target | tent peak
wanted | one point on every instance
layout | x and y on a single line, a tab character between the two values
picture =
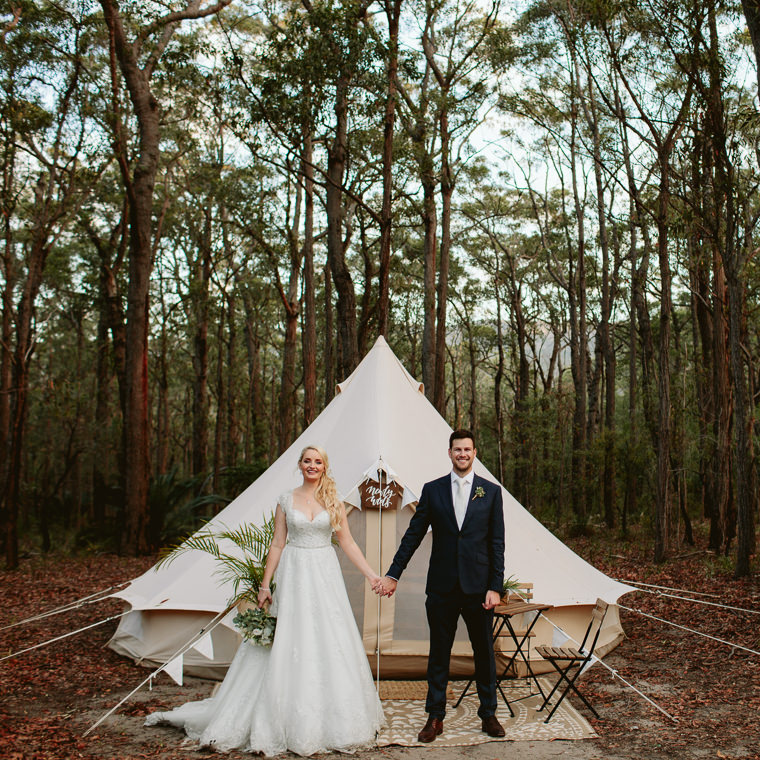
378	350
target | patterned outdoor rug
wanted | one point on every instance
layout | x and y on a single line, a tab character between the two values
461	727
408	690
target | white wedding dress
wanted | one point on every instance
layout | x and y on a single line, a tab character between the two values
312	690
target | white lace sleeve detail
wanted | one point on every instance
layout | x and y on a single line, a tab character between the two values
285	500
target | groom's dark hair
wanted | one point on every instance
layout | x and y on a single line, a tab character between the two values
458	435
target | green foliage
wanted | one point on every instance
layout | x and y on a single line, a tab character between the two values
241	566
176	504
524	99
511	585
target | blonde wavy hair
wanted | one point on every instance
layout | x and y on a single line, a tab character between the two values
326	491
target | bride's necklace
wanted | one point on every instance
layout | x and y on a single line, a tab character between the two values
309	498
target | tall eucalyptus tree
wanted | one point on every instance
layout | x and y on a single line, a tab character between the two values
139	38
42	113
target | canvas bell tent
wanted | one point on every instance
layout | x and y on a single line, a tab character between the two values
381	428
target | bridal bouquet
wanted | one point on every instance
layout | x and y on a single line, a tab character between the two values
243	567
256	625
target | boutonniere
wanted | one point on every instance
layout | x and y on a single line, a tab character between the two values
478	493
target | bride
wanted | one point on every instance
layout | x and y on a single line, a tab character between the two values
311	691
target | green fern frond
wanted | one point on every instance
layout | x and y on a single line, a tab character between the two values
244	570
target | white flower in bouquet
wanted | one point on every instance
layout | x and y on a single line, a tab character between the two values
256	626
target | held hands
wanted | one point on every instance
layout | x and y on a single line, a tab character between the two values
385	586
264	597
492	599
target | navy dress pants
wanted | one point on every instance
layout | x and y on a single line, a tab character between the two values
443	611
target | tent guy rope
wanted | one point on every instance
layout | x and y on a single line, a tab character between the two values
690	630
68	607
701	601
613	671
666	588
65	635
184	648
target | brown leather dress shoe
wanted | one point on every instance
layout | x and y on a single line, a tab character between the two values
433	728
492	727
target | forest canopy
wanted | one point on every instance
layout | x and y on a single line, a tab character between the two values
210	210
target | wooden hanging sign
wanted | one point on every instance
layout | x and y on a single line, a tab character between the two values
373	496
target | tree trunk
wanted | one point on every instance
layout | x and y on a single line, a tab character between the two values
8	199
743	462
678	457
6	362
630	503
733	262
664	519
38	253
578	341
605	342
442	289
329	338
366	311
309	333
722	522
392	13
292	306
112	317
200	287
232	438
140	186
497	380
162	410
522	391
336	255
286	403
258	426
430	226
101	474
705	320
221	403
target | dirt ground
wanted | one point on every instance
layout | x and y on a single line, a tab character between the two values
50	696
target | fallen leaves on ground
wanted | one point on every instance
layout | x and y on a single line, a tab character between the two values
710	688
51	695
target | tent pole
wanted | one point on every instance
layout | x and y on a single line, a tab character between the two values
380	570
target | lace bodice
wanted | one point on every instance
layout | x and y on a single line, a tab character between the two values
302	532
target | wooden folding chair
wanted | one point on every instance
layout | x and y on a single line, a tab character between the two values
564	659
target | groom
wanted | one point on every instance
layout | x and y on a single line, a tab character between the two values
465	576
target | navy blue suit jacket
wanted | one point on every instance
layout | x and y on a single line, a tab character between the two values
472	557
